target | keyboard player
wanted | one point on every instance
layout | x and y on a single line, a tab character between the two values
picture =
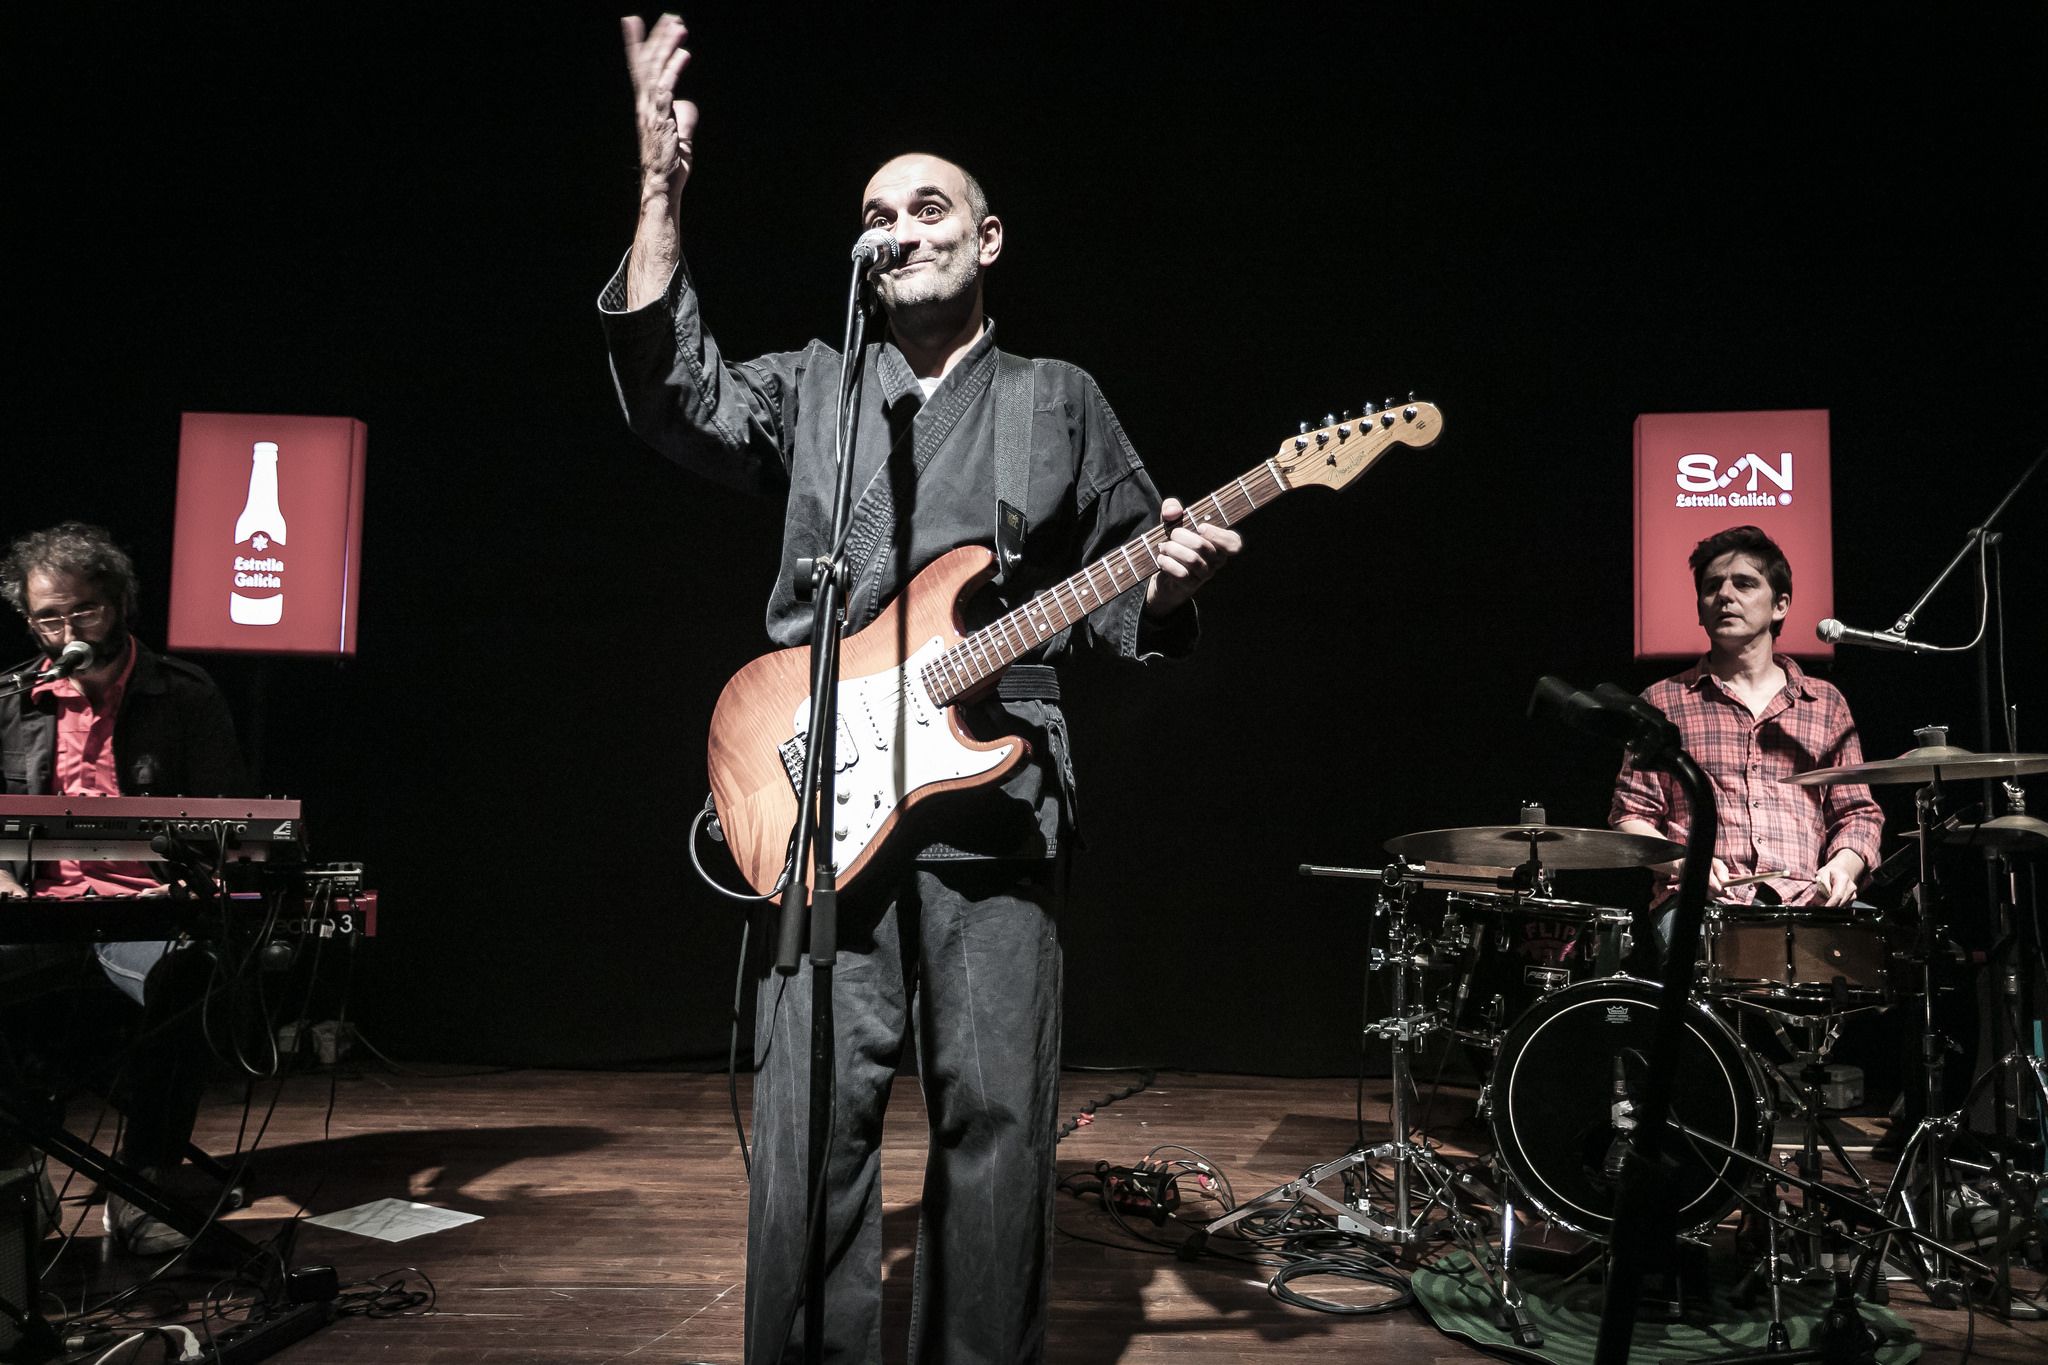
122	720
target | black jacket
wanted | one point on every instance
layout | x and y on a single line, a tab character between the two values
768	426
173	736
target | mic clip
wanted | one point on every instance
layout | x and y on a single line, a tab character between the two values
811	574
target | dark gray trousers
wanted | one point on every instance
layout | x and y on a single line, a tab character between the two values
967	955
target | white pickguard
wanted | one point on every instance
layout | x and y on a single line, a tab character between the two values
892	741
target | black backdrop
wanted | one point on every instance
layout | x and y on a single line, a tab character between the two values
1546	219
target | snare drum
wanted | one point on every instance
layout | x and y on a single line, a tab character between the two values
1514	951
1796	954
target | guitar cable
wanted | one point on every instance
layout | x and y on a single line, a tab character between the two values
709	816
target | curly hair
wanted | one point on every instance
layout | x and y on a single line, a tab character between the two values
74	547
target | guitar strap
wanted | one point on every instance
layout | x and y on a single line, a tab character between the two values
1014	385
1013	394
1016	395
1015	399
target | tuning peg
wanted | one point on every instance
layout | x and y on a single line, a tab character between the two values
1304	428
1329	419
1369	409
1347	414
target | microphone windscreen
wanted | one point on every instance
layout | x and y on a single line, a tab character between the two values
878	245
1829	630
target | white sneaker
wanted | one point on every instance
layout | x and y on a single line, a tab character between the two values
136	1232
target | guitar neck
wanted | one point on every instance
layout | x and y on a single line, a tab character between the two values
988	651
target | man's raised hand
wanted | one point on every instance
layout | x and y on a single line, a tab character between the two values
656	60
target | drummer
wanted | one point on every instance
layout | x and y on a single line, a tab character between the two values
1750	717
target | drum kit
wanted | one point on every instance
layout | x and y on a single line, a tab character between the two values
1541	993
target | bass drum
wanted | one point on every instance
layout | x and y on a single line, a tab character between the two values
1554	1093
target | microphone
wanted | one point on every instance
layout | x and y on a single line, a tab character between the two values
1607	712
1835	633
1621	1114
75	656
878	250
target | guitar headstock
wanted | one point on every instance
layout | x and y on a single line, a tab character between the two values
1338	452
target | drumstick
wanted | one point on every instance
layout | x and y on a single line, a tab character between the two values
1753	878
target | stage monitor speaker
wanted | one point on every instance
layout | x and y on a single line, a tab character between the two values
20	1242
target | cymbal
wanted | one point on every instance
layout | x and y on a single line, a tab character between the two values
2006	834
1559	846
1931	763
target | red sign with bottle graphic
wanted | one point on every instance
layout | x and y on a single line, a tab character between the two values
1698	473
267	547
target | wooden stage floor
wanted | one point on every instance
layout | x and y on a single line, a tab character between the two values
613	1221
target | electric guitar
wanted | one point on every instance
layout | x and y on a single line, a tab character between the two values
902	677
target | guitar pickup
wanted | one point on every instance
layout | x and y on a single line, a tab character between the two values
844	756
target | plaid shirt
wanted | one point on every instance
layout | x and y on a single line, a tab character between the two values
1764	823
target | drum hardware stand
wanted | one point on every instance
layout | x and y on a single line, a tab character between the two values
1821	1032
1414	1164
1777	1339
1844	1339
1927	1150
2015	1187
1771	1269
2018	1081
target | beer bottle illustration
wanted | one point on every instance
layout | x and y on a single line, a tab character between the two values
258	595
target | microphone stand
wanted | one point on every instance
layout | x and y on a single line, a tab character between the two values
1977	533
1937	1124
825	582
1645	1224
22	677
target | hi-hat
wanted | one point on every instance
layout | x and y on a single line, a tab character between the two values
1559	846
1930	763
2011	834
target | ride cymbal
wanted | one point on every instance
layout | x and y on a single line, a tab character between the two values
1931	763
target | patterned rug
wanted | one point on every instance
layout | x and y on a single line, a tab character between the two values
1568	1316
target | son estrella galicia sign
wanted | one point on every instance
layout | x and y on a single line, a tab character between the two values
1701	472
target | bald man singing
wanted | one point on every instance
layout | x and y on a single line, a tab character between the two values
953	946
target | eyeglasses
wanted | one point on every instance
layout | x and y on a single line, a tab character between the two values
50	624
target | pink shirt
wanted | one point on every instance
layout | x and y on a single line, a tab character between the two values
85	767
1764	823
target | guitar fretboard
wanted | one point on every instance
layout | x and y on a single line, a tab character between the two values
988	651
